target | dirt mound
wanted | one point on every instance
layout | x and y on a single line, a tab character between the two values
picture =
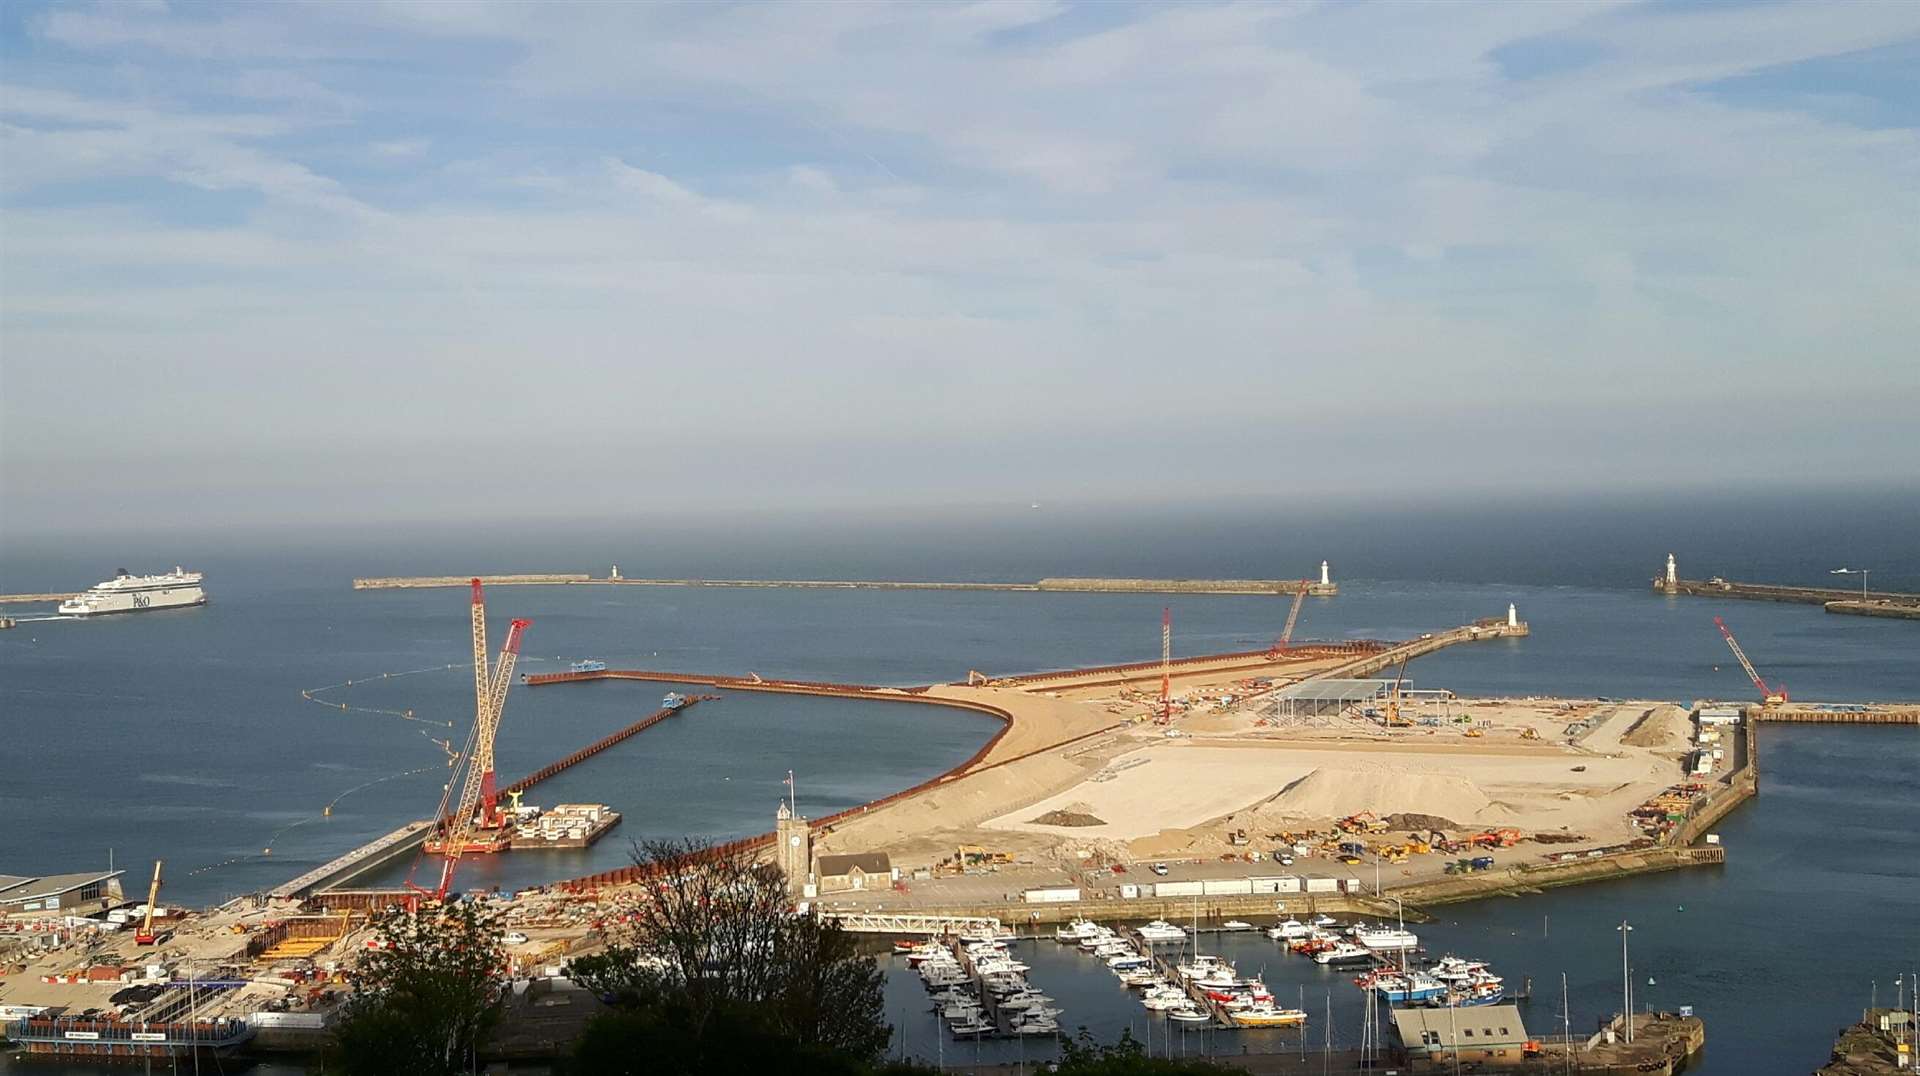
1335	793
1657	728
1412	821
1066	818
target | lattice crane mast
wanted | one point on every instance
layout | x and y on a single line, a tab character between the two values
1770	696
479	800
1166	665
1293	617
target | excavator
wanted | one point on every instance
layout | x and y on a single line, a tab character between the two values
145	935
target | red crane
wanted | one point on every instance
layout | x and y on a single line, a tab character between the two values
1770	696
478	806
1293	617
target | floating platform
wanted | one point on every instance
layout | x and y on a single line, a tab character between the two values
567	825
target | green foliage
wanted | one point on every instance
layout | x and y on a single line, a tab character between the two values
719	976
423	1000
1082	1056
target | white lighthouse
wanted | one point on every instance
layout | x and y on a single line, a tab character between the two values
1513	616
1326	576
1673	573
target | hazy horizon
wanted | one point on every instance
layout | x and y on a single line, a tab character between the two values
274	266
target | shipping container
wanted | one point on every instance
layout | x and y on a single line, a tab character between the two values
1265	885
1176	889
1352	885
1129	891
1054	895
1226	887
1290	885
1323	885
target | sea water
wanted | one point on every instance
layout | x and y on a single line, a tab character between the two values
184	735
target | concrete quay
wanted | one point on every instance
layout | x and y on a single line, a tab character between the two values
1773	592
33	599
1856	607
368	857
1280	587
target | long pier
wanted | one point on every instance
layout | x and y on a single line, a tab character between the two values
1894	715
384	850
33	599
1052	585
1835	599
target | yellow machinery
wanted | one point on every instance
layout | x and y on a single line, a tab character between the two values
144	936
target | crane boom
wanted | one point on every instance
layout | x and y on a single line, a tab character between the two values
496	705
1771	696
1293	617
144	936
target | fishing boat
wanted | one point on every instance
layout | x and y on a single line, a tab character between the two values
1189	1014
1235	926
1409	988
1289	930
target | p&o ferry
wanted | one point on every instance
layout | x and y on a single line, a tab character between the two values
126	593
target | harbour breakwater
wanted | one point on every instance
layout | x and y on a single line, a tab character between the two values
1065	585
1884	603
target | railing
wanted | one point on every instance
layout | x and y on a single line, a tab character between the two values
882	923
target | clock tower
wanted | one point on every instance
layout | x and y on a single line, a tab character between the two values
794	849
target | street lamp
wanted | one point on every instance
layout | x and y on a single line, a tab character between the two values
1861	572
1626	983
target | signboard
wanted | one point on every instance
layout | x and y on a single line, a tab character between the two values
148	1036
83	1034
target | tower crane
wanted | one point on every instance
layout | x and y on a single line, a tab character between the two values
479	804
1293	617
145	935
1769	696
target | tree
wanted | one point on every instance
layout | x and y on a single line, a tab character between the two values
1083	1057
425	994
713	958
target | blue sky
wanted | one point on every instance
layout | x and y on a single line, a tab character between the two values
306	259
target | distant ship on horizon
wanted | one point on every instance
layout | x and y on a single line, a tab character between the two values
128	593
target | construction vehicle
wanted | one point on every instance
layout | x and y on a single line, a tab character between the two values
1394	720
1280	645
1504	837
475	823
1474	733
1529	733
145	935
1769	696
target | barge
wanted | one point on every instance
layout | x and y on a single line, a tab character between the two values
93	1039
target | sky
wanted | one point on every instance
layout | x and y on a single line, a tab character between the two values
375	261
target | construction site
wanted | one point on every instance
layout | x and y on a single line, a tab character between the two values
1302	771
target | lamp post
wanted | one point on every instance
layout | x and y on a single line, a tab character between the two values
1861	572
1626	982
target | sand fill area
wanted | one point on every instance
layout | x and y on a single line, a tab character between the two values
1167	787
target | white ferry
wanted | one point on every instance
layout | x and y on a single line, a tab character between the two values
126	593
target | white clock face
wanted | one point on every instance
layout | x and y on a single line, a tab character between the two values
794	840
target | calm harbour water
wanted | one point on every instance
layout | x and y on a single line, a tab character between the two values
183	735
